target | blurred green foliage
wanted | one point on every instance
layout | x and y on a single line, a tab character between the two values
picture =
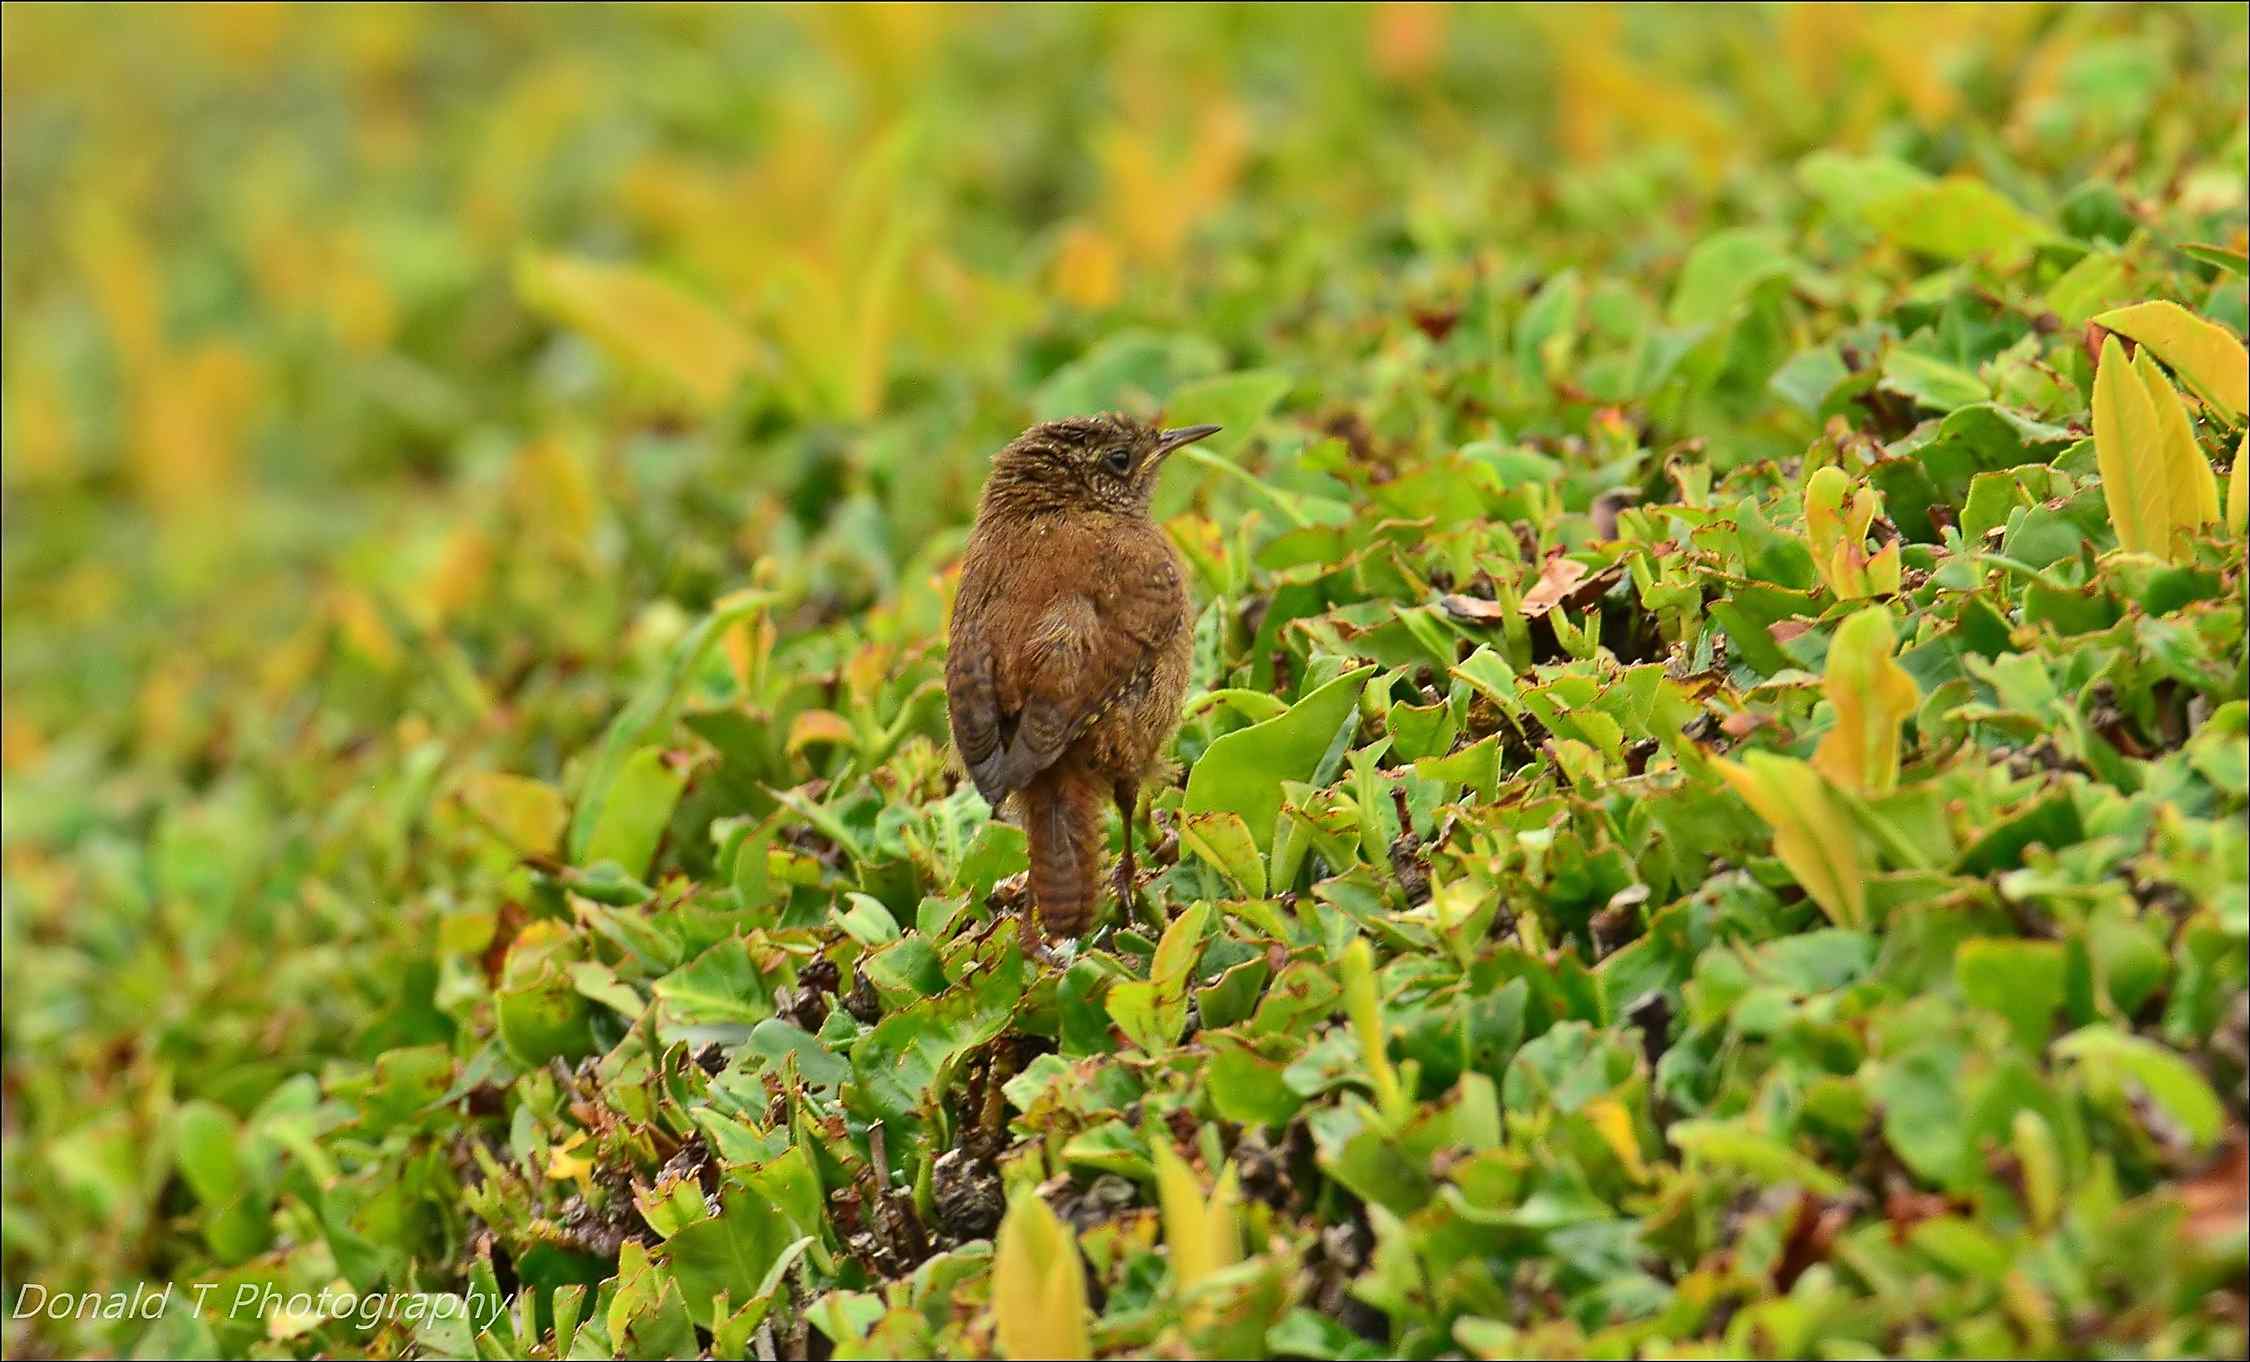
481	489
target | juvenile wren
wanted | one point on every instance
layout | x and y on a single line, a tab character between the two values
1069	649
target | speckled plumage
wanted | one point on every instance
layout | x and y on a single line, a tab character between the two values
1068	655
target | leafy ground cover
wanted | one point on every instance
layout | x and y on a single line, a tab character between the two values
1712	806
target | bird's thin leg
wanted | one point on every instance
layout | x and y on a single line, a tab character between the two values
1034	942
1128	795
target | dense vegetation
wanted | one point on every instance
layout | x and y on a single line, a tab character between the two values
1712	807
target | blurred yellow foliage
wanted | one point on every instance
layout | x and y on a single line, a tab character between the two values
1607	102
328	274
651	324
554	500
22	746
520	134
458	577
1407	37
1153	199
40	435
118	268
359	623
189	419
243	33
1086	266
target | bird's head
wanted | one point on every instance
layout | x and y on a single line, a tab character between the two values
1108	462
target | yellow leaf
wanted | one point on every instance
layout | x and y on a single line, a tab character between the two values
2238	490
565	1164
527	814
1812	834
2187	474
642	320
1038	1285
1883	571
1838	531
1200	1237
1615	1125
1872	696
2129	449
2204	353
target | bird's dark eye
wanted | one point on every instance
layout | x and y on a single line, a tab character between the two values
1118	460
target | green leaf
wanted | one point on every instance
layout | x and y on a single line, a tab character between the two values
526	814
1932	382
1236	403
1723	269
2171	1082
1224	841
1958	218
2020	980
741	1253
1151	1012
1242	771
637	806
1872	696
719	986
205	1136
643	721
1733	1145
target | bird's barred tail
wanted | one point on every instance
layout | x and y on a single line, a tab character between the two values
1062	822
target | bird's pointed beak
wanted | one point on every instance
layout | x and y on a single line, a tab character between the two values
1183	437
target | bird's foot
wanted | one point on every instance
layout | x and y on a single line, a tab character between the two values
1042	950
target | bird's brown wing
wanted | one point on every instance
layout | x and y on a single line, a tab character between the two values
973	709
1087	649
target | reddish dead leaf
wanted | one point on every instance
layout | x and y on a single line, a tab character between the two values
504	929
1742	723
1905	1208
1812	1231
1436	322
2217	1200
2096	333
1781	631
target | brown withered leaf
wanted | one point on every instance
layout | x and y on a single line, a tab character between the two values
510	921
1436	322
1566	582
1905	1206
2218	1199
1742	723
1473	609
1812	1231
1781	631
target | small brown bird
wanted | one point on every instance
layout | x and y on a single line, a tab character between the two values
1069	650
